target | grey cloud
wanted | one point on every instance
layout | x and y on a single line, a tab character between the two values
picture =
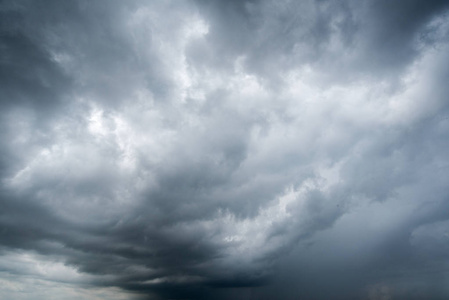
351	37
226	150
397	26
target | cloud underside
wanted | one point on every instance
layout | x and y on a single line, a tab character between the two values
224	149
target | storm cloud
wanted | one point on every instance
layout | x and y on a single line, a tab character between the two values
224	149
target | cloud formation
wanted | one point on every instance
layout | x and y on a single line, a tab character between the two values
224	149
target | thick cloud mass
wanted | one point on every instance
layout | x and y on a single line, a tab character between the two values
224	149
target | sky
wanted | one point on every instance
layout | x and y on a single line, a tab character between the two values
224	150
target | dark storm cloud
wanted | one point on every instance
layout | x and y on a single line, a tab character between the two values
28	74
396	25
224	149
356	37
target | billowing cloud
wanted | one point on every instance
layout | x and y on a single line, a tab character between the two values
224	149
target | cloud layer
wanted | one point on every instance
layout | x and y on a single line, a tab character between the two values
224	149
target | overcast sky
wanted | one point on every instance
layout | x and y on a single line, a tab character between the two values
224	150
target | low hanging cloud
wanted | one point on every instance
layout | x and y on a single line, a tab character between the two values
224	150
